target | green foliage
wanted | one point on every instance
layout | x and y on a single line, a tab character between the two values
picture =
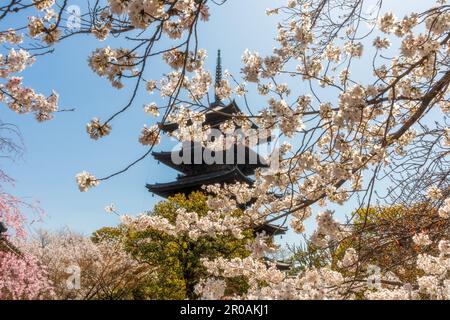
177	260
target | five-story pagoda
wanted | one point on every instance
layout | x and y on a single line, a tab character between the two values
196	171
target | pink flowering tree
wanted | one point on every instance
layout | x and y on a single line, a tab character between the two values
22	277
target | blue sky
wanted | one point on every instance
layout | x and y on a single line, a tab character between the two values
57	150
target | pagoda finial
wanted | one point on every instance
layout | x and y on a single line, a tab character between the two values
218	74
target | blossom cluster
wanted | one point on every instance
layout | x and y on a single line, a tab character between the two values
189	224
43	4
45	28
267	282
97	130
328	229
85	180
13	93
149	136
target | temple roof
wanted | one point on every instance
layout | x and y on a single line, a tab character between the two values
199	174
271	229
248	162
3	228
217	113
187	184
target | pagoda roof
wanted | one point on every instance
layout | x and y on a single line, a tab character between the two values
188	183
281	265
217	113
247	166
7	246
271	229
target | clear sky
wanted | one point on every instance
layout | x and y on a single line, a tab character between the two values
57	150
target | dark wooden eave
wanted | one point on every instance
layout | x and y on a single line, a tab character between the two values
280	265
271	229
187	184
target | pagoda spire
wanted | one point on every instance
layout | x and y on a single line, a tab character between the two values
218	75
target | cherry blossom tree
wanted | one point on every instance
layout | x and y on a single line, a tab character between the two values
380	140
